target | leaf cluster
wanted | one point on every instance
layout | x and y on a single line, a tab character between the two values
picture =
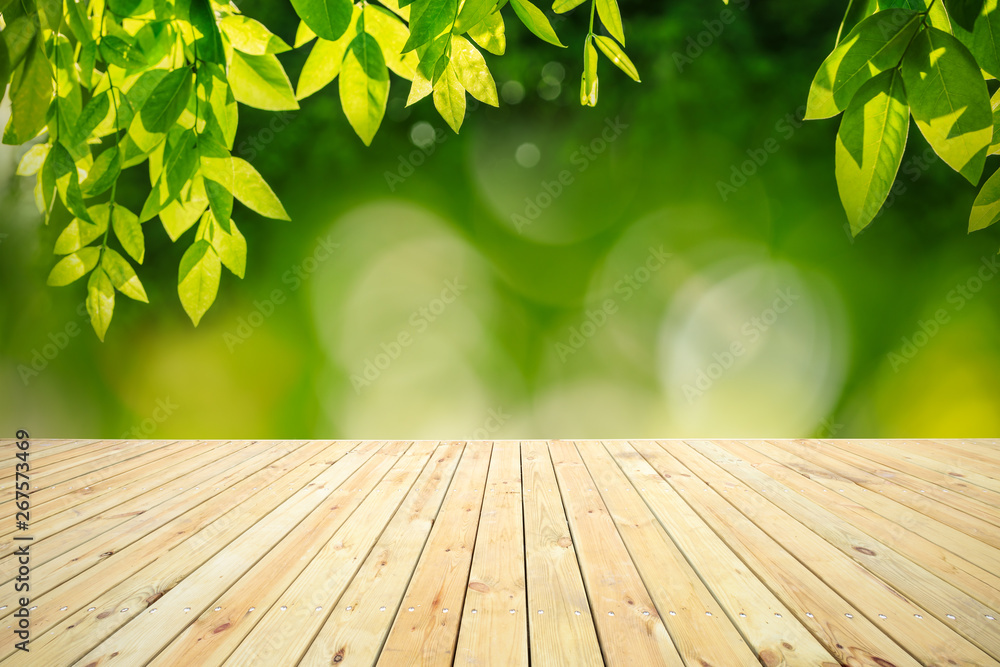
100	86
929	60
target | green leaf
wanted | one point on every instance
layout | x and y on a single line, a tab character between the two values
208	39
220	201
391	35
419	89
449	99
79	22
489	34
198	279
964	12
859	10
73	267
949	101
995	104
616	55
116	51
87	60
429	19
588	81
986	208
535	20
5	65
364	86
61	170
250	36
92	116
122	275
180	163
33	160
984	40
78	233
182	213
327	18
324	62
100	302
129	232
30	95
303	35
261	82
104	173
875	45
471	13
870	146
224	114
472	72
229	244
167	101
563	6
254	193
611	17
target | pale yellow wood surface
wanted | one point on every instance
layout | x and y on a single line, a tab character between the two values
423	633
497	634
700	553
564	633
628	625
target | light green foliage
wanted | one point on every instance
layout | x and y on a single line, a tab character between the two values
925	59
103	86
870	146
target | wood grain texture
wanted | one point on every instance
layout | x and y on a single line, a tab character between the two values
700	553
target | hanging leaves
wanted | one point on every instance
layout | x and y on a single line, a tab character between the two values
103	86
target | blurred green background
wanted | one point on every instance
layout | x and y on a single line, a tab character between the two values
552	271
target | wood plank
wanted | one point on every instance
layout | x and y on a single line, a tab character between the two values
951	452
698	625
564	634
40	450
908	622
241	526
938	489
146	535
80	477
630	630
915	536
83	489
497	634
971	484
770	627
285	631
821	466
968	449
843	630
131	500
215	635
357	627
421	633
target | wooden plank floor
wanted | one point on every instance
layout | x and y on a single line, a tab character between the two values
694	553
